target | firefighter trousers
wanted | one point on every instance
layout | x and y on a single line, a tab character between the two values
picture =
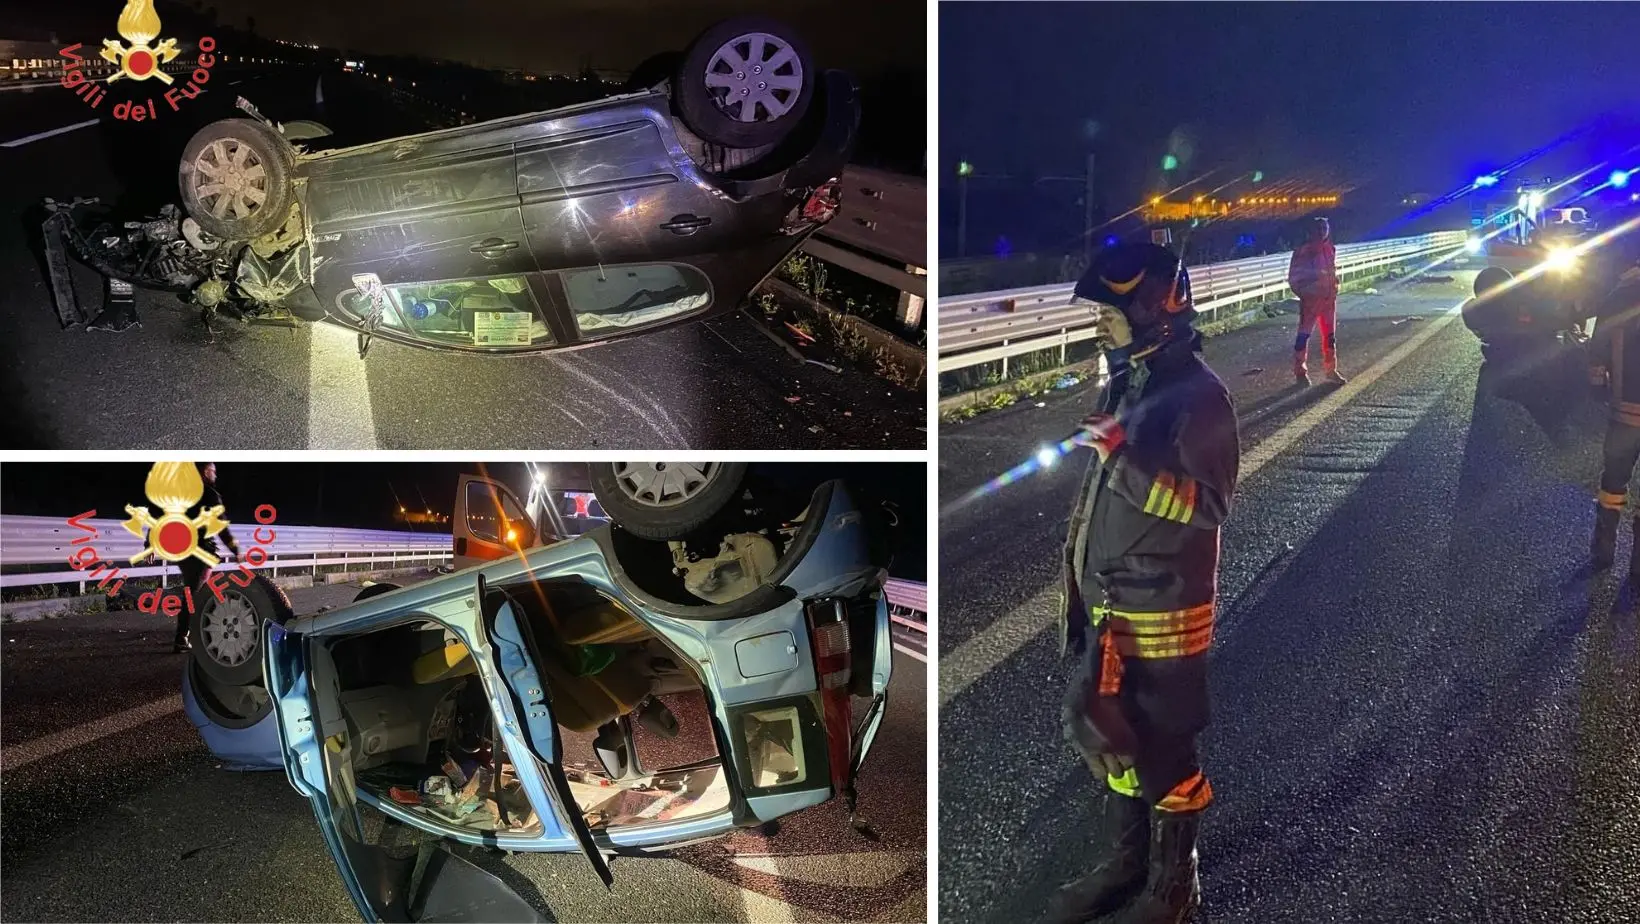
1313	312
1166	771
1622	451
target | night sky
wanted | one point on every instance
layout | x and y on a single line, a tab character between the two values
362	494
563	35
1401	97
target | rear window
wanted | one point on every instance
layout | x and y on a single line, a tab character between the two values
610	299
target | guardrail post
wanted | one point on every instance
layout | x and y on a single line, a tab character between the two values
316	567
1005	364
910	308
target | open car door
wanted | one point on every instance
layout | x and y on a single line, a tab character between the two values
321	736
415	882
489	522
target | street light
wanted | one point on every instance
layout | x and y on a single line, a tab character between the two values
1258	176
1170	162
964	168
1620	178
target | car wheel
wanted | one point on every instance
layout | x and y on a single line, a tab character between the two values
227	633
665	500
236	179
744	82
230	706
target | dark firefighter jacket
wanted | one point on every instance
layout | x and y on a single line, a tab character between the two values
1616	345
1313	271
1142	555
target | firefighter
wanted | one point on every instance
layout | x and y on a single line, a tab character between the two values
193	570
1313	276
1141	565
1615	360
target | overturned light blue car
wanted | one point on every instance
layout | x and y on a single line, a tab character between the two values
444	706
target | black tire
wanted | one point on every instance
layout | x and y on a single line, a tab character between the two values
263	147
221	648
229	706
374	590
706	112
676	519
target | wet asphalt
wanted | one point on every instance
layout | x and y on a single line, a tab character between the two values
718	384
1426	708
143	824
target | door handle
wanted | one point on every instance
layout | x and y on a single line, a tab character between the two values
686	224
492	246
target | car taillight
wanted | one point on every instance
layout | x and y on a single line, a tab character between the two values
829	637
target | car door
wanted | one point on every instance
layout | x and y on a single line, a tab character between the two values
315	732
434	221
434	884
489	522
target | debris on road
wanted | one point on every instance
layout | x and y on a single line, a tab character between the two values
1254	371
1404	320
1370	291
794	399
827	366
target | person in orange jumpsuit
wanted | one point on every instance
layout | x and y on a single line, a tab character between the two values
1313	276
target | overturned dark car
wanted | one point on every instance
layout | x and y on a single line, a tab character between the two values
533	232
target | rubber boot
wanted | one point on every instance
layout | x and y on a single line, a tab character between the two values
1301	367
1604	547
1118	873
1173	890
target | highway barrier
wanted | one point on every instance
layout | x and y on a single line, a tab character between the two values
995	326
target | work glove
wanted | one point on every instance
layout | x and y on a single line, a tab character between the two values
1113	328
1096	728
1102	432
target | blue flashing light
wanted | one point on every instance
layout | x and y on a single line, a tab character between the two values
420	310
1486	180
1111	241
1620	178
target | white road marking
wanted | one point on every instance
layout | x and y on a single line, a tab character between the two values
21	755
38	136
339	413
870	870
920	656
989	647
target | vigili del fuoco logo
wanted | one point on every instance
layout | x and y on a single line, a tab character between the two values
138	61
173	536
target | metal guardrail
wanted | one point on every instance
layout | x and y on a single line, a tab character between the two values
50	540
884	215
992	326
907	603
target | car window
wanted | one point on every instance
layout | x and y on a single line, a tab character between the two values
491	517
492	313
609	299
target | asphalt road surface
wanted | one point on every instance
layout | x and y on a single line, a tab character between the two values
715	385
114	810
1424	702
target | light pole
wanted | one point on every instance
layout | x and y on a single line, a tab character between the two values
964	171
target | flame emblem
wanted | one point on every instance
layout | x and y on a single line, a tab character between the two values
139	25
174	487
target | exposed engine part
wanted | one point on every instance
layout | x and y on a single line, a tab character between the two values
210	293
202	240
282	238
743	563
